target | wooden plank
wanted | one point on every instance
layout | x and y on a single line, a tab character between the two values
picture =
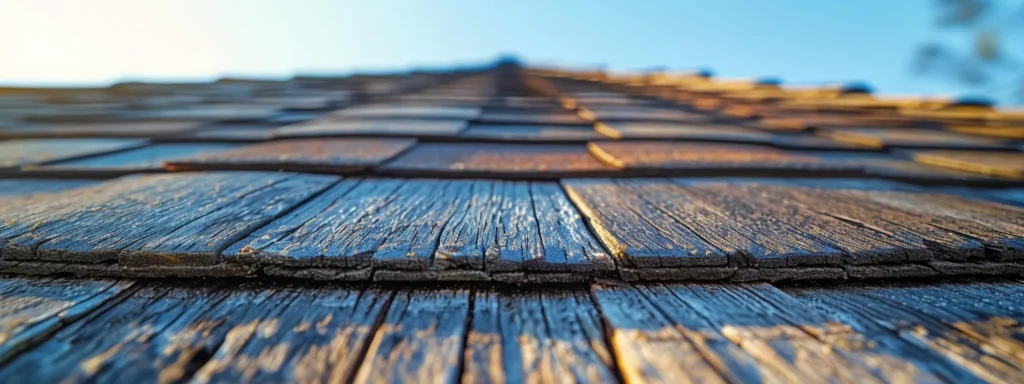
15	153
304	155
180	219
27	187
998	227
859	245
139	129
890	167
497	160
652	348
32	309
908	227
421	338
550	336
793	339
307	335
812	142
712	159
721	133
637	233
390	127
940	337
911	138
532	133
407	111
421	224
226	112
146	159
987	163
231	132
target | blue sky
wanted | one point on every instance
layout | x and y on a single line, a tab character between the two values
799	41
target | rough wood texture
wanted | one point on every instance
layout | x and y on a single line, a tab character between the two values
16	153
420	339
717	159
497	160
911	138
532	133
986	163
409	111
638	233
306	155
391	127
536	337
421	224
181	219
890	167
633	130
141	129
148	158
31	309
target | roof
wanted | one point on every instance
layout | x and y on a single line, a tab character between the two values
570	224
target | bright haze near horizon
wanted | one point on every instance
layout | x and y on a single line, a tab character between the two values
97	42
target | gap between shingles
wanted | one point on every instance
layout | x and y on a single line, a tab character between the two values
461	369
364	349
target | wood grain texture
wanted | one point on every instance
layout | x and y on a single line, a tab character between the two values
139	129
496	160
532	133
407	111
26	187
31	309
431	224
421	338
637	233
305	155
911	138
16	153
712	159
552	336
893	168
172	219
390	127
986	163
720	133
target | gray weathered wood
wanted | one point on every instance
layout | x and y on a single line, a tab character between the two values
306	155
713	159
655	130
421	338
497	160
912	138
407	111
26	187
16	153
145	159
532	133
390	127
141	129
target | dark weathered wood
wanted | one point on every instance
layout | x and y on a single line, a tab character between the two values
890	167
651	348
16	153
497	160
222	132
551	336
907	227
792	339
715	159
819	143
421	224
911	138
999	227
1001	164
937	332
181	219
421	338
637	233
722	133
213	112
31	309
148	158
390	127
858	245
305	155
1010	196
310	335
142	129
532	133
407	111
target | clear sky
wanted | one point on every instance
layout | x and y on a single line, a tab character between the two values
800	41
